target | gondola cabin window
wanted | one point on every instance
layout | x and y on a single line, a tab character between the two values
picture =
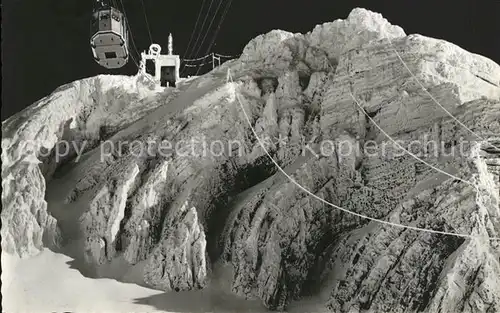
104	16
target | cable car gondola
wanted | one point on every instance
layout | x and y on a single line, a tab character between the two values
109	36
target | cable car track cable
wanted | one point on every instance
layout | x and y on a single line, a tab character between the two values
198	65
427	230
190	54
217	30
131	37
147	22
209	27
194	29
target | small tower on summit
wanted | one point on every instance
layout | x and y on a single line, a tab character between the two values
163	67
170	44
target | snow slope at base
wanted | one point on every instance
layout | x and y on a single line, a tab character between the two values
47	283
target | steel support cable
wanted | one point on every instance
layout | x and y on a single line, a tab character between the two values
193	60
197	65
432	97
198	59
228	56
280	169
205	57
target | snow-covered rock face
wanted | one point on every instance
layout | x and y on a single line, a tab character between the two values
72	120
173	215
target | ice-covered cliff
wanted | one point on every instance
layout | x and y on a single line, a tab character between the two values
172	216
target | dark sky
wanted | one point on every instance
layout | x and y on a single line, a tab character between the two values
46	42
